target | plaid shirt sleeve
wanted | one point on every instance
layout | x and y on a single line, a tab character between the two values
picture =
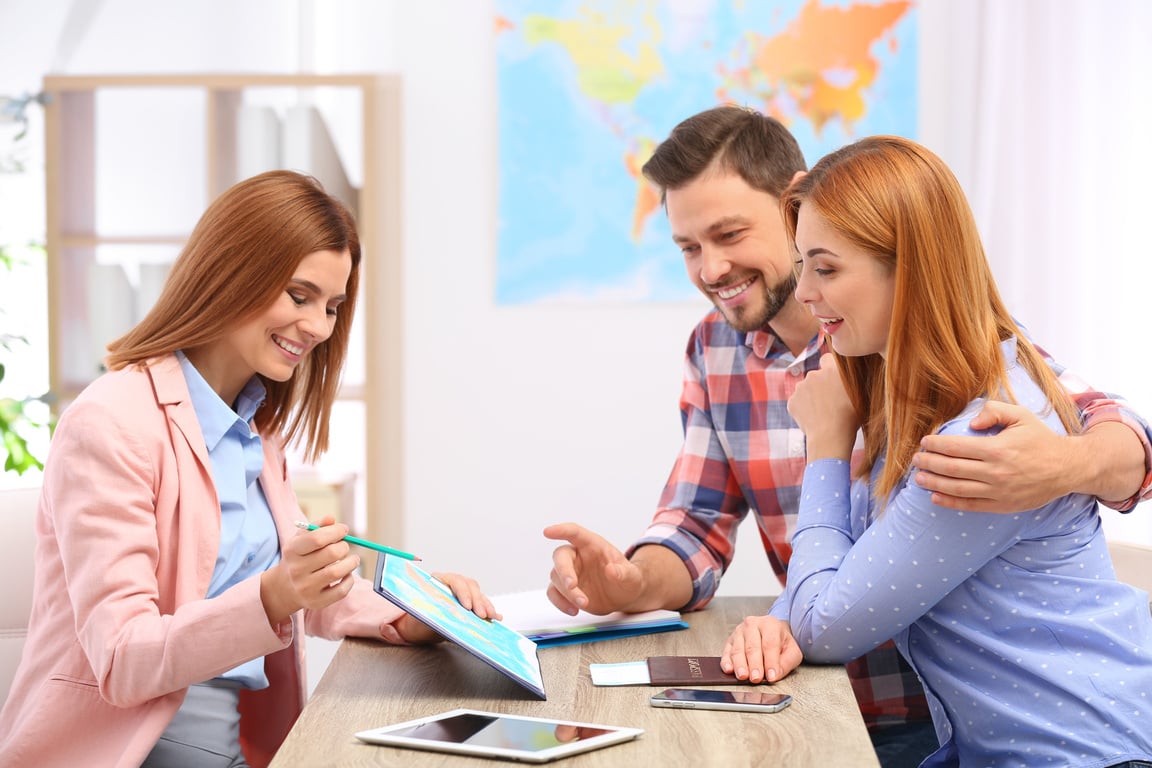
1099	407
702	504
742	453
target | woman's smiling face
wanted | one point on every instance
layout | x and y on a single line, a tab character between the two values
274	342
847	288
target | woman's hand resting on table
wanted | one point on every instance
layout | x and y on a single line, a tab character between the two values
761	649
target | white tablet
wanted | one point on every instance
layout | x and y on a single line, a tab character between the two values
490	734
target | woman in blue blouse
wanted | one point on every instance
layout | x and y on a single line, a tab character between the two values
1030	650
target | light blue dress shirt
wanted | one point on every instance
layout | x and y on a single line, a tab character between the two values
1030	651
249	544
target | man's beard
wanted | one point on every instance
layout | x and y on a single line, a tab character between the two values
746	319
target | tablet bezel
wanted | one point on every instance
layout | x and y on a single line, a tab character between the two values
386	736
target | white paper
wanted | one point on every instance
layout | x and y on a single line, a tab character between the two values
622	673
532	612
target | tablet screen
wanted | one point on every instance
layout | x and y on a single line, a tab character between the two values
427	599
497	735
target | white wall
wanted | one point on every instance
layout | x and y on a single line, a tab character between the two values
1040	107
523	416
536	415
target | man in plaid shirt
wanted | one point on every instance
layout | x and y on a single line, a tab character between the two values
721	173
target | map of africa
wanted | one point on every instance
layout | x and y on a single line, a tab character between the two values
588	89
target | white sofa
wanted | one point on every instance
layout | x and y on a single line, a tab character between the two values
1133	563
17	512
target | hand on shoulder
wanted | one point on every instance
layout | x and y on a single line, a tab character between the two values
1023	466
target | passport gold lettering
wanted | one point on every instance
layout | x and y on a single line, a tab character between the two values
688	670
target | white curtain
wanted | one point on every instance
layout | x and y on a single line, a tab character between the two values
1044	110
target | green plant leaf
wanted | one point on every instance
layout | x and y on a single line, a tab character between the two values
17	458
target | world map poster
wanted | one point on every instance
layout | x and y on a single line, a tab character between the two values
587	89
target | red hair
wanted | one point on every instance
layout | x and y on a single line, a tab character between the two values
239	258
899	202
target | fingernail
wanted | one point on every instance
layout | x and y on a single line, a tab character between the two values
771	676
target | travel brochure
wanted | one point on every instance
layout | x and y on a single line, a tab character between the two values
533	615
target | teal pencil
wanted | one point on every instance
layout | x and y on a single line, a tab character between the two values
362	542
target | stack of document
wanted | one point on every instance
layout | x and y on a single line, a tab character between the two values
533	615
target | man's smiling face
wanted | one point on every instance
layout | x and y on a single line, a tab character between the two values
735	247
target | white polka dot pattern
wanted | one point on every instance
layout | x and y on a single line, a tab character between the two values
1031	652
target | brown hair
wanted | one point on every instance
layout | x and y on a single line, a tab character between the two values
757	147
239	258
900	202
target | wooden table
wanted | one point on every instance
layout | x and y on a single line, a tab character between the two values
369	685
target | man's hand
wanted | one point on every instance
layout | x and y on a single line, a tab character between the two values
761	649
590	574
1023	467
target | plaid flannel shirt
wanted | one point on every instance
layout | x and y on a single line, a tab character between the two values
743	453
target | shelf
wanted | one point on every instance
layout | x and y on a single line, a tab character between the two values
133	160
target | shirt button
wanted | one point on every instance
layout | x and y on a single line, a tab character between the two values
794	371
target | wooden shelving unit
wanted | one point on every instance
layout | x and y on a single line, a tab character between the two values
96	291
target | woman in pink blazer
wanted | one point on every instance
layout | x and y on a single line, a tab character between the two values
172	586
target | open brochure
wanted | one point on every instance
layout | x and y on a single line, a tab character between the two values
533	615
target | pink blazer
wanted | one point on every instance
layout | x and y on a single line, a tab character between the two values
128	529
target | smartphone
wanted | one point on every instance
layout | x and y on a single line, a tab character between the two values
738	701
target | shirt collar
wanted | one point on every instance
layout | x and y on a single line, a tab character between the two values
215	416
764	344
